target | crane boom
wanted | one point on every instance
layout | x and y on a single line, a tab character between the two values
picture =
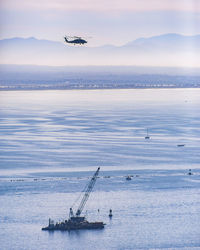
89	188
78	222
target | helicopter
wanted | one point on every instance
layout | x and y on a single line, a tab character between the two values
75	40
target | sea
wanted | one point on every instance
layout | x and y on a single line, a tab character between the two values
52	142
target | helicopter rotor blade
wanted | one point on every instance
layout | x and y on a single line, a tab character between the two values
70	37
78	37
84	37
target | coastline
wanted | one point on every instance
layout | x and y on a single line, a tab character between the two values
61	87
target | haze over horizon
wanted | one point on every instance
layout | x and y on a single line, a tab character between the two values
123	32
107	22
168	50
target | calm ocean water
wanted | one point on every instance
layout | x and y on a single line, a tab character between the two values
51	142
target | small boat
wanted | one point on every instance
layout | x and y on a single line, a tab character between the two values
180	145
128	178
147	136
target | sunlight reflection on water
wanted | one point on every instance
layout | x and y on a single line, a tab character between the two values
50	140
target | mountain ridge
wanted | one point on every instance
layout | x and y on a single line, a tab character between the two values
136	41
164	50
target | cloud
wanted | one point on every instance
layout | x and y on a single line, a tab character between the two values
104	5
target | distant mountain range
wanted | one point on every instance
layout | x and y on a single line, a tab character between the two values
169	50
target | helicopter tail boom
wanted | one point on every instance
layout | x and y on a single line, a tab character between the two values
66	39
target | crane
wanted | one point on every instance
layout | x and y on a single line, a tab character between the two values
76	222
88	190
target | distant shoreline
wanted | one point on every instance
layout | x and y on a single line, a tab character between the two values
14	88
14	78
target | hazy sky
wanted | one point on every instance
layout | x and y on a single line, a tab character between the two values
106	21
